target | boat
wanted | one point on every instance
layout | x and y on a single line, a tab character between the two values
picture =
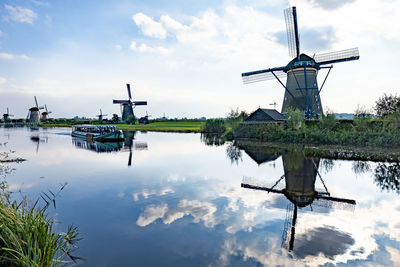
100	133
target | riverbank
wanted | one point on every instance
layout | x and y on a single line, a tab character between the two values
324	151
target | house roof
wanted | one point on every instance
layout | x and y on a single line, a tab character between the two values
274	114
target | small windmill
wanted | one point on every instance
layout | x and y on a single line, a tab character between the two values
101	115
301	90
128	105
34	113
45	114
300	190
6	116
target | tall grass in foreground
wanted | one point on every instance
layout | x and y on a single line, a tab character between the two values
28	237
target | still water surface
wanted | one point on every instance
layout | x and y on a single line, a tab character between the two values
168	199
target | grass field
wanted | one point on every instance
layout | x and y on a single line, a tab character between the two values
167	126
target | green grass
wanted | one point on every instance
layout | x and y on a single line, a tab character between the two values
28	237
168	126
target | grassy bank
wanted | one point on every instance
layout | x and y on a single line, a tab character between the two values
361	132
167	126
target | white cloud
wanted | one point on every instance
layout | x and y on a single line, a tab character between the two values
148	26
8	56
20	14
143	48
2	80
118	47
151	214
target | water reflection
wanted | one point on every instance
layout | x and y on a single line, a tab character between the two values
100	147
387	176
38	139
300	175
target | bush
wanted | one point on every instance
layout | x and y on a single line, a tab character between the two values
295	119
215	126
131	119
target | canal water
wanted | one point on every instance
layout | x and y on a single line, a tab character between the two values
170	199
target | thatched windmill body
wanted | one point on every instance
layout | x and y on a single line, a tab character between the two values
301	89
45	114
34	113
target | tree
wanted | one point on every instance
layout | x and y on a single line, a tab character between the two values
387	104
115	118
131	119
295	118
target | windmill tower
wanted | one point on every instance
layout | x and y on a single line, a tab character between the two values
45	114
6	116
101	115
128	105
300	177
301	90
34	113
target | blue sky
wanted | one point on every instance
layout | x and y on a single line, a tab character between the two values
185	58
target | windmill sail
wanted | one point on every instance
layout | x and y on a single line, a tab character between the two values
337	56
139	103
128	86
292	31
263	75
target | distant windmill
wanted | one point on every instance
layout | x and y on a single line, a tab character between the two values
273	104
34	113
45	114
301	90
101	115
7	116
300	177
128	105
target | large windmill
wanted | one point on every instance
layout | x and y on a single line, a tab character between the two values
6	116
34	113
101	116
301	90
300	177
45	114
128	105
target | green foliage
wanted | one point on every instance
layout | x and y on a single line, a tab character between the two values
295	119
216	126
362	118
387	104
235	117
28	237
131	119
328	122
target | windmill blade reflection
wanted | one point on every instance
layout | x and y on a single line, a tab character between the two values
300	177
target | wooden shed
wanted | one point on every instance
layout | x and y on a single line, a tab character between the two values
263	115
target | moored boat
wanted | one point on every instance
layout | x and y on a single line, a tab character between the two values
101	133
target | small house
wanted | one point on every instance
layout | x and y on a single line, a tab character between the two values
263	115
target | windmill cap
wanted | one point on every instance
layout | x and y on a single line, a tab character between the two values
303	61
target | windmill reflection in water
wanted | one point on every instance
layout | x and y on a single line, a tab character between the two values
300	175
127	145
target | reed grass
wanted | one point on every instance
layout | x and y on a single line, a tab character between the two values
28	236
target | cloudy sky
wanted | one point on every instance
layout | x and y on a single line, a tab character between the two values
185	57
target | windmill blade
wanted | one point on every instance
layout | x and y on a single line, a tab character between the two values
262	75
101	113
139	103
337	56
36	102
130	157
263	188
45	106
121	102
336	199
104	115
128	86
292	31
8	111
